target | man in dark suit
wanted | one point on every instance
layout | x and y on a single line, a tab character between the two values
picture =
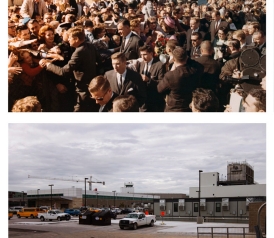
152	70
81	68
179	83
101	92
212	68
194	27
125	81
196	40
259	41
131	42
215	24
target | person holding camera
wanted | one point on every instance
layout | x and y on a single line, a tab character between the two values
230	50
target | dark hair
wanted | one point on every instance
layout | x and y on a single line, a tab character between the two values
260	96
205	100
235	43
224	29
124	22
179	54
98	83
125	103
146	48
172	44
197	34
21	28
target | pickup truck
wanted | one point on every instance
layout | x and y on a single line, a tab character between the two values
135	219
53	215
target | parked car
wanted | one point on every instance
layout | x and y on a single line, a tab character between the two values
137	219
53	215
73	212
113	215
127	210
10	215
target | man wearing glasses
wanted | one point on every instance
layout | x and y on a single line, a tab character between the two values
101	92
11	29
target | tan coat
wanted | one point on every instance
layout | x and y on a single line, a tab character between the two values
27	8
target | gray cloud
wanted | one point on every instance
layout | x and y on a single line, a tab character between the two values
155	157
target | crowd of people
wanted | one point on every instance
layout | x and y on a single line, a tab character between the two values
137	56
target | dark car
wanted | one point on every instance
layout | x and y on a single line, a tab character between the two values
127	210
113	215
73	212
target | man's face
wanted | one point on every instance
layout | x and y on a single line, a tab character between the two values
251	30
153	25
102	97
195	41
193	24
12	29
73	41
123	30
47	18
250	104
25	35
146	56
215	17
191	105
34	28
119	66
258	39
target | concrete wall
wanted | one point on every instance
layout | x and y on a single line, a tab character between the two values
255	190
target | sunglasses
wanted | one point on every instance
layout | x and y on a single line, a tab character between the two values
102	98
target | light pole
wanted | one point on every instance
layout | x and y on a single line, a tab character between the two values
199	219
51	195
172	207
23	198
141	201
97	199
86	192
38	197
114	197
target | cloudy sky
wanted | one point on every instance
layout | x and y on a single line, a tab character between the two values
155	157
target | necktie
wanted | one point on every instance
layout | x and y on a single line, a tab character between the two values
146	72
123	44
121	82
36	8
216	27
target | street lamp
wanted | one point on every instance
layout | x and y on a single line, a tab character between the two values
51	195
141	200
38	197
199	220
172	206
23	198
114	197
86	193
97	199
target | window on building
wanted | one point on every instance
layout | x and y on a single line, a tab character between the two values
175	207
196	207
218	207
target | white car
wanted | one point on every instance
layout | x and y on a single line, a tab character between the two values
54	215
135	219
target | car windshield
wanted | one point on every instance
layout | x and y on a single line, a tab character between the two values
57	211
131	216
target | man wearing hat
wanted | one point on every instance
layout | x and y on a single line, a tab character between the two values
179	84
30	8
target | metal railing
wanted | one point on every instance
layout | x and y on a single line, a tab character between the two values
226	232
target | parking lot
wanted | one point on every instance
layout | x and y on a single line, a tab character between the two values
26	227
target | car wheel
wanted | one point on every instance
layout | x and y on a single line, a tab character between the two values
50	219
59	218
42	218
67	218
151	223
134	226
18	216
121	227
31	216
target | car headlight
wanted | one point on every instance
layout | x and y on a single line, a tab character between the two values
131	222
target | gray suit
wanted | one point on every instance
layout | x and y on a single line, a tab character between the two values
27	8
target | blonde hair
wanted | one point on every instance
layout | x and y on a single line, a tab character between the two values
27	104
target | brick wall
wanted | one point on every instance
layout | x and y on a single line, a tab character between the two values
253	213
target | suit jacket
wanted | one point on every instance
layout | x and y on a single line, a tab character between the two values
179	84
27	8
212	28
156	72
212	70
197	52
131	50
109	106
133	85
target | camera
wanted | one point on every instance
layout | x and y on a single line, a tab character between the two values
223	48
